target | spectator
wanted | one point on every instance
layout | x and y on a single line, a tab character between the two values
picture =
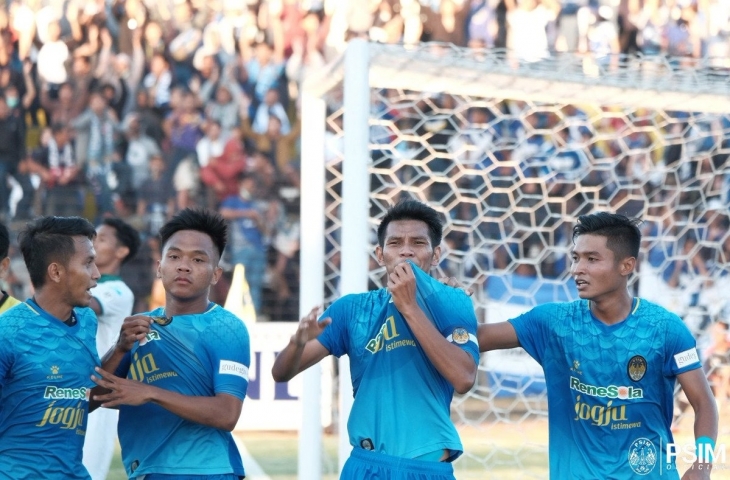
271	106
157	204
221	173
247	234
52	57
228	104
55	162
212	144
12	150
96	131
139	149
158	82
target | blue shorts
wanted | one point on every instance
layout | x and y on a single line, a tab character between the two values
379	466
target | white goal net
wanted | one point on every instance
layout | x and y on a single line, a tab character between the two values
511	154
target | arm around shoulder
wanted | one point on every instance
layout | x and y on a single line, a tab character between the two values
496	336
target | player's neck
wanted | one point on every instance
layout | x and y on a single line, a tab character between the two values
612	310
52	304
177	306
111	269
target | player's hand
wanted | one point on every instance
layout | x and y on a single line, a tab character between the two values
309	327
698	471
134	329
122	391
402	287
453	282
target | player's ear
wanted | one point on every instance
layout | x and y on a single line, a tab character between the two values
4	267
436	259
55	271
627	266
217	272
379	255
121	253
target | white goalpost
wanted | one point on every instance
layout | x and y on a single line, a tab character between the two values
510	154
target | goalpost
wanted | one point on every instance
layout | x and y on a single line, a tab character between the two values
510	154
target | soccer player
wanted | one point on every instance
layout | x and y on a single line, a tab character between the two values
610	363
48	354
410	346
6	301
181	370
116	243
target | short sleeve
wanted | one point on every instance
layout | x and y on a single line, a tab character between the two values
453	314
681	349
230	354
335	337
533	331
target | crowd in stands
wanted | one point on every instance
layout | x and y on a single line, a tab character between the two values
137	109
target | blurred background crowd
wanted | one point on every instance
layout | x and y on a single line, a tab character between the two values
138	108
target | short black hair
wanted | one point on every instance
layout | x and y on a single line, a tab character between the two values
412	210
4	241
126	235
622	233
198	219
49	239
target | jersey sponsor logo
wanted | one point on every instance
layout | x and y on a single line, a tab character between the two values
602	415
643	456
688	357
386	333
150	337
636	368
67	418
141	368
459	336
229	367
59	393
611	391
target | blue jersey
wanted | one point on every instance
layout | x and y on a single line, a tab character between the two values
45	374
402	403
198	355
610	387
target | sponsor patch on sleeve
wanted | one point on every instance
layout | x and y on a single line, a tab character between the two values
688	357
228	367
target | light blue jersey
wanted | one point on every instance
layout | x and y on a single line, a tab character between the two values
402	402
45	374
198	355
610	387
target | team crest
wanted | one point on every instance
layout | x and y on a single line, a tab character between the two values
460	336
55	369
161	320
636	368
642	456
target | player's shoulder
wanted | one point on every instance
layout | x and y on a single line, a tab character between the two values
220	317
15	317
365	301
654	314
561	310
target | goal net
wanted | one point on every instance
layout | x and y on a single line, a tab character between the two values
511	154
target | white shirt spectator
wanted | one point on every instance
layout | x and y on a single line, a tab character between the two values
51	62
